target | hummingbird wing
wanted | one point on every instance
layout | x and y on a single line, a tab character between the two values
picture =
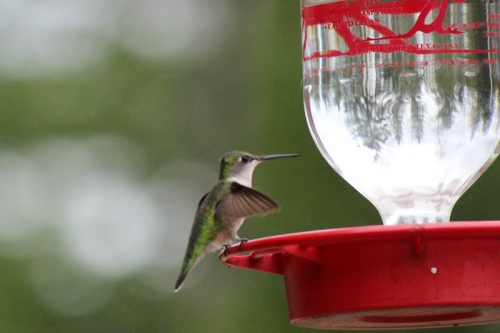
245	201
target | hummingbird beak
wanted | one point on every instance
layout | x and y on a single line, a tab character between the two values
272	157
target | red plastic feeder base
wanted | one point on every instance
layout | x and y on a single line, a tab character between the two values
384	277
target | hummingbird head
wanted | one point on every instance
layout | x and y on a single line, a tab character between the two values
238	166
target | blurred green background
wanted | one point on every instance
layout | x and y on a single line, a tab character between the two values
114	114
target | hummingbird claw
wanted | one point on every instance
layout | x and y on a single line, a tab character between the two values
243	240
226	246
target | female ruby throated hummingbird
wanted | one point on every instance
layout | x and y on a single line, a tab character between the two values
223	209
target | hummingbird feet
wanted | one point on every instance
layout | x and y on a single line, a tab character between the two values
227	246
243	240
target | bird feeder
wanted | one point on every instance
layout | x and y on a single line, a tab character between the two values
384	277
401	98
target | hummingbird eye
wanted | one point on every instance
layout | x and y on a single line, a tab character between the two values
245	159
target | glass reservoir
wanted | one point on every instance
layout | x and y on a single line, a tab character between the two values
402	98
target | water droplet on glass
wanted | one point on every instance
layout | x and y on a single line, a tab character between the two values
346	80
408	75
471	71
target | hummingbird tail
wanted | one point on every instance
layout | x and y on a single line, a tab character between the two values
189	264
180	281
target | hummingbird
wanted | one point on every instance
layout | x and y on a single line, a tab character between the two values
222	211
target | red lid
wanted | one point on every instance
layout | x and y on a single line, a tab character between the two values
384	277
